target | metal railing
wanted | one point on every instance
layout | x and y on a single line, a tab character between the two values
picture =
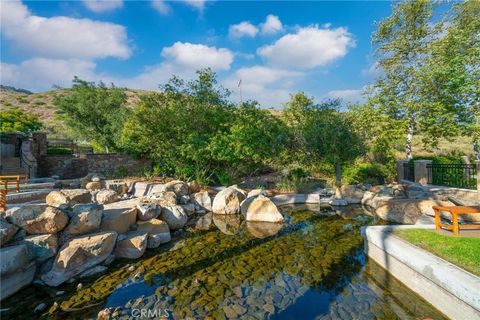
409	171
453	175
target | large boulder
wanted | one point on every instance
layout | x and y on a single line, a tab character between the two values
351	193
78	255
147	211
84	218
202	201
179	187
133	246
16	270
228	201
174	216
106	196
194	186
41	247
260	208
158	232
189	208
38	219
120	188
118	220
93	185
68	197
404	211
256	192
7	231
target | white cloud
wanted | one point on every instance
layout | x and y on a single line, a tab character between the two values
197	4
374	70
269	86
61	37
309	47
191	55
242	29
39	74
161	6
99	6
349	95
272	25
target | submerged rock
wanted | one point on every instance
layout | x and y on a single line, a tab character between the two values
38	219
79	255
133	246
263	229
260	208
228	224
228	201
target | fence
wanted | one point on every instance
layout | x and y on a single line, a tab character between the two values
453	175
409	171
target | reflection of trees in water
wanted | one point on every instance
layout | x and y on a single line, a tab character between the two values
203	273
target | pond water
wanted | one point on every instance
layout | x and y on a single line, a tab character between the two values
311	267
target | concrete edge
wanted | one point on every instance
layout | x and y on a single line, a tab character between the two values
456	281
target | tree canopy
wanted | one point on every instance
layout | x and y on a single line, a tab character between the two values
15	120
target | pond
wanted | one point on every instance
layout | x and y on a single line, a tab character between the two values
311	267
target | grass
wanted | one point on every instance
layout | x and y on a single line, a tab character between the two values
461	251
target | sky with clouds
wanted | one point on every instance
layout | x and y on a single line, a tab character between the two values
275	48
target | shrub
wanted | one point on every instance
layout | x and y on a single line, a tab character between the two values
372	173
16	120
59	150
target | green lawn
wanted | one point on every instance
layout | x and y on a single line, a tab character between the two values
461	251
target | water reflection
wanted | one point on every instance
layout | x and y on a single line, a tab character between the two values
310	267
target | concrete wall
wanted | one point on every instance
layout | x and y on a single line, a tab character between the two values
449	288
69	166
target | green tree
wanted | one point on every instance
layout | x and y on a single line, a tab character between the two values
320	133
94	112
402	46
452	72
15	120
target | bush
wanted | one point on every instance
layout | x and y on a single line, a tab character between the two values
372	173
16	120
59	150
452	159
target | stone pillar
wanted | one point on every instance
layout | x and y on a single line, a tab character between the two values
401	170
39	144
478	178
421	172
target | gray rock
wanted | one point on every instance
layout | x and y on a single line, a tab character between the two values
7	231
133	246
38	219
179	187
174	216
147	211
202	201
41	247
106	196
228	201
92	271
16	270
158	232
84	218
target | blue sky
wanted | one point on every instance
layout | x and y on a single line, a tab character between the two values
275	48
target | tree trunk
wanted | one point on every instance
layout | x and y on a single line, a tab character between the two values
338	175
476	150
408	145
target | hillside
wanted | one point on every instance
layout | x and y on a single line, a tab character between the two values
41	104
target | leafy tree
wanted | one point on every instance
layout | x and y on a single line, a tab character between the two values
402	46
94	112
15	120
320	133
452	72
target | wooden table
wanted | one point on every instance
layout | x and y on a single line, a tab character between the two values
455	211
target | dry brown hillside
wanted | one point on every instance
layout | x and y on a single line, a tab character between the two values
41	104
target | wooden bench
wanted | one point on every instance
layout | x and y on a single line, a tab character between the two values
455	211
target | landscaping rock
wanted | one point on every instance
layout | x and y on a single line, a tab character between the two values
106	196
16	270
338	202
403	211
38	219
183	199
133	246
147	211
120	188
118	220
158	232
174	216
179	187
163	199
260	208
84	218
351	193
68	197
194	187
202	201
41	247
228	201
94	185
257	192
78	255
7	231
189	208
